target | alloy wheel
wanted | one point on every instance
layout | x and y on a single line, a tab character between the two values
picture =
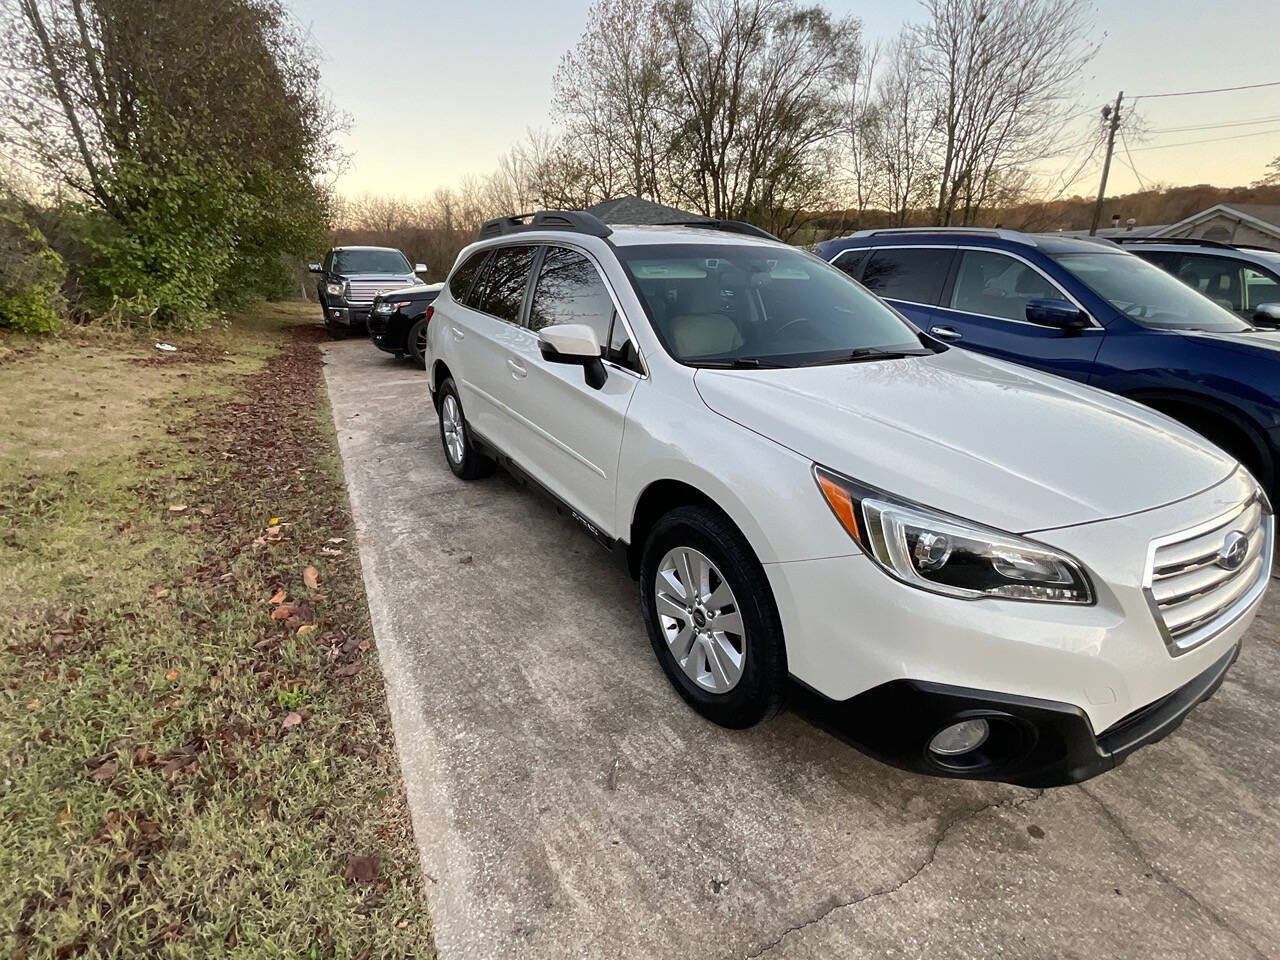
700	619
454	435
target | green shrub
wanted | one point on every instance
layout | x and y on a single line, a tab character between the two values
31	278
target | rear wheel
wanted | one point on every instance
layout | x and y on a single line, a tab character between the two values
466	462
712	619
415	343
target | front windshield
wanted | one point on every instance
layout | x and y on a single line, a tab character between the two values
348	262
737	304
1147	294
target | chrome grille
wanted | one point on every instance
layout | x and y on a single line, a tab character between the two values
1194	589
363	291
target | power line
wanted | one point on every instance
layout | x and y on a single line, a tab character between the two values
1188	143
1216	126
1129	160
1193	93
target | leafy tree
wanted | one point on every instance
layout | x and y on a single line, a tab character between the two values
31	277
197	131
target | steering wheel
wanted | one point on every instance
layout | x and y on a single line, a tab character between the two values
791	323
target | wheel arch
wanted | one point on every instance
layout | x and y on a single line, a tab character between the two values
662	496
439	373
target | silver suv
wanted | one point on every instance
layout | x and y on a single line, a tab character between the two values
1241	278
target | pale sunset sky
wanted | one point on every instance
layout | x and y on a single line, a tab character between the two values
436	90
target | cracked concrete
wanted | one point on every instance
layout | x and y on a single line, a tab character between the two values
567	804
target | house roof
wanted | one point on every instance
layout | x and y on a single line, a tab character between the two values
637	210
1261	216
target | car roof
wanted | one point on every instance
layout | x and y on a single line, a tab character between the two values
630	235
1268	257
994	237
391	249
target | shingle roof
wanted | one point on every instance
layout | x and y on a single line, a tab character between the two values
637	210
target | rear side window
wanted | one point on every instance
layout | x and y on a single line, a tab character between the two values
915	274
851	261
501	287
1260	288
998	286
465	275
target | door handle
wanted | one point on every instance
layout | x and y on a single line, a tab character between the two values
457	334
946	333
517	369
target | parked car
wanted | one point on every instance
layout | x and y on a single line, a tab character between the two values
398	320
1245	280
349	279
1087	310
985	571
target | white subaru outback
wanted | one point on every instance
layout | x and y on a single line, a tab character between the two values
984	571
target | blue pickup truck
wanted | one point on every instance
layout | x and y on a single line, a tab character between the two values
1090	311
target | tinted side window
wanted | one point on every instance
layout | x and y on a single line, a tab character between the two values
501	290
570	290
851	261
998	286
915	274
1217	278
460	282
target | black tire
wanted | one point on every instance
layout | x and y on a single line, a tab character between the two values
466	462
758	693
415	343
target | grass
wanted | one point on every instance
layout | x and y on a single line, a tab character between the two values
197	756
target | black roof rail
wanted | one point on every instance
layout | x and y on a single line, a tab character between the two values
574	221
1185	241
727	226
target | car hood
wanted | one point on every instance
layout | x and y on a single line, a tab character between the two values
972	436
1251	341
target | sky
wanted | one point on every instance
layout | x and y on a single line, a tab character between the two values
436	91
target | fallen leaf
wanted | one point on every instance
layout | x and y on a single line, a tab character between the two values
63	815
361	870
279	597
305	629
466	559
159	592
207	511
284	612
311	577
177	507
330	552
105	772
171	676
292	720
273	521
336	540
362	646
350	670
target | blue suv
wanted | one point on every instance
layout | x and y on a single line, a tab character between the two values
1087	310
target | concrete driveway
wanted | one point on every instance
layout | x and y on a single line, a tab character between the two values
567	804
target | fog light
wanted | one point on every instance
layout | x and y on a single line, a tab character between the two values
960	738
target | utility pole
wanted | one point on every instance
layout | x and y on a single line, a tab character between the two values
1106	163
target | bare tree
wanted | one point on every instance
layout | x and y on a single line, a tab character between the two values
611	96
904	133
997	74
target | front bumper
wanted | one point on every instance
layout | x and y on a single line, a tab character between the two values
1033	743
355	316
891	660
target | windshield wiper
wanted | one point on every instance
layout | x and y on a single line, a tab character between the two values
738	363
873	353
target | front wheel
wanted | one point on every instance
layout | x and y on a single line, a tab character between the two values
415	343
466	462
712	619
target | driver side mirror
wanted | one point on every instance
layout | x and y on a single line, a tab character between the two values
1056	313
1267	315
315	268
420	268
577	344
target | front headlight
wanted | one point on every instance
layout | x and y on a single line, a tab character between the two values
945	554
384	307
334	289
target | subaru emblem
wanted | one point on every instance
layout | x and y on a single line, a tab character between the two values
1234	549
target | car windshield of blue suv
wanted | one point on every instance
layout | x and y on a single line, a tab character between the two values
736	305
348	262
1147	294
